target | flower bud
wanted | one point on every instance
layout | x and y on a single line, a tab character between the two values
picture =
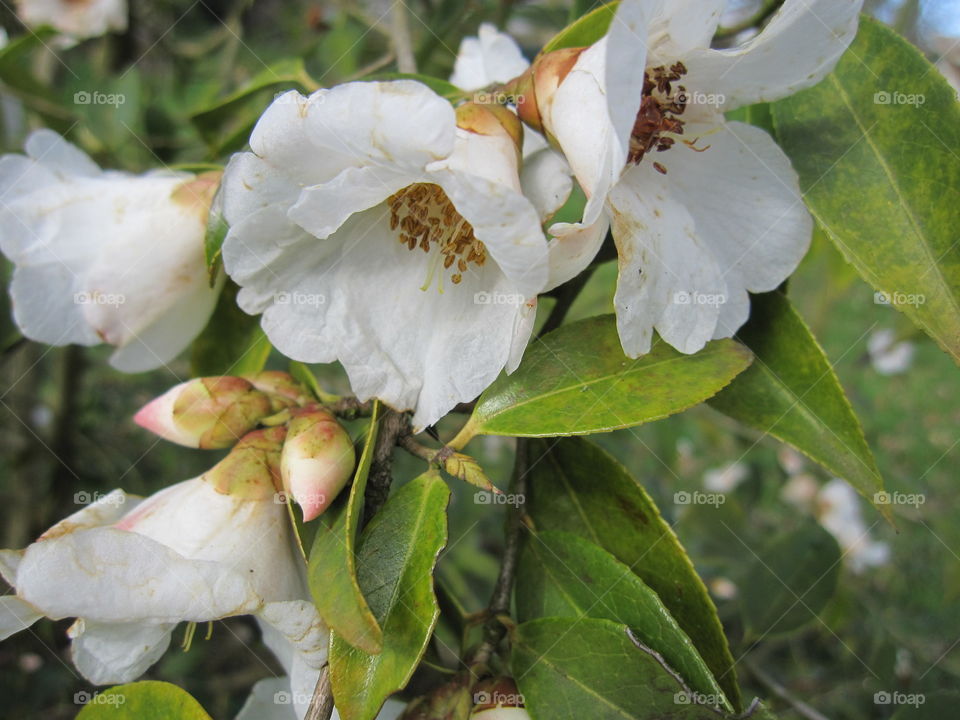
497	699
535	88
447	702
464	467
493	121
208	413
282	387
252	469
317	461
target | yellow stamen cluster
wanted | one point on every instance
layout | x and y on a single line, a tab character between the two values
425	217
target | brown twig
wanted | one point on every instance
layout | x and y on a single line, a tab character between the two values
321	705
393	426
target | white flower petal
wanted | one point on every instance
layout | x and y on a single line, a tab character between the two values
492	57
76	19
684	25
667	273
51	150
107	654
744	197
797	49
573	248
522	330
546	182
300	625
16	615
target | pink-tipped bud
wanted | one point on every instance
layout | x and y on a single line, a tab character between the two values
208	413
317	461
252	469
282	387
535	89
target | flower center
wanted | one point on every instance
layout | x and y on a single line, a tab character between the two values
659	114
425	217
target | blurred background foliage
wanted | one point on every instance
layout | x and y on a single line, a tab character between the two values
194	77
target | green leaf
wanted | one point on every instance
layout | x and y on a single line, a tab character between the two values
882	175
217	229
304	375
585	31
792	393
395	562
759	115
147	700
225	125
577	487
16	74
232	343
790	582
564	575
588	668
576	381
332	568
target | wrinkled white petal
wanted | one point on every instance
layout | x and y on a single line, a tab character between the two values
797	49
492	57
546	182
684	25
96	511
107	654
744	198
300	625
668	278
16	615
573	248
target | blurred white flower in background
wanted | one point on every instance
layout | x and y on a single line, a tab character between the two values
105	256
491	57
725	479
411	231
838	508
888	356
76	19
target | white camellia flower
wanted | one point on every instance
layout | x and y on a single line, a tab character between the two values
129	570
367	227
77	19
702	210
105	256
491	57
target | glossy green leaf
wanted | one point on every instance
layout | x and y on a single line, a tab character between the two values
232	343
147	700
792	393
789	582
585	31
574	486
565	575
217	229
332	568
576	381
395	561
225	124
589	668
877	147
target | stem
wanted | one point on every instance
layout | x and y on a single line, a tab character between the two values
402	42
494	630
566	296
393	426
466	434
798	706
321	706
